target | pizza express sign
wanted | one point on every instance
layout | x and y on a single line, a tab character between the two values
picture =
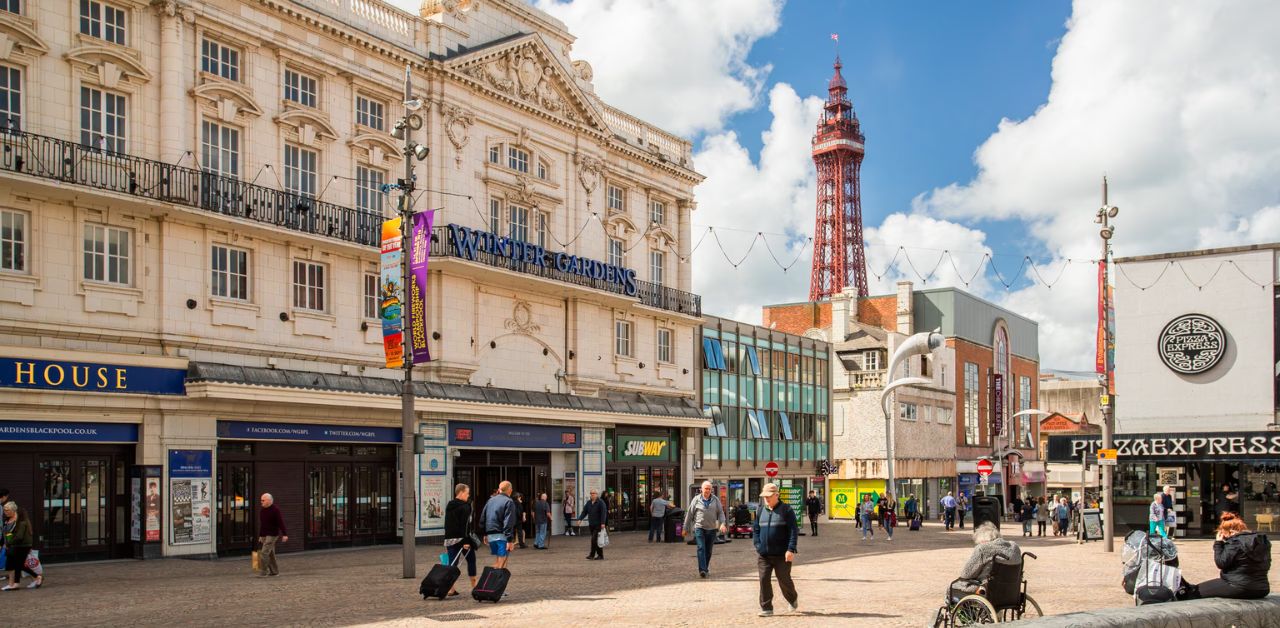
1203	446
1192	344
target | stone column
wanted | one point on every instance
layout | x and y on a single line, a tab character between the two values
174	126
685	233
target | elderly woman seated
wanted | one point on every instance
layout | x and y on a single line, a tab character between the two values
988	545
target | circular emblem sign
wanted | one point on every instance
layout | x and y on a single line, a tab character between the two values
1192	344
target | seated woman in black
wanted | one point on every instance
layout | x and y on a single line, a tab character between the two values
1244	558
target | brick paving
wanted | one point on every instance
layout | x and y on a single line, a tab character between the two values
841	580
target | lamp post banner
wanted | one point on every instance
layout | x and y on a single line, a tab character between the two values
390	307
419	257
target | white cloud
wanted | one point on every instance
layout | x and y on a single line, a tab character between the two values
679	64
941	254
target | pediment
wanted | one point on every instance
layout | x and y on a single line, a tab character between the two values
526	71
661	236
18	35
311	125
111	64
377	145
620	224
230	99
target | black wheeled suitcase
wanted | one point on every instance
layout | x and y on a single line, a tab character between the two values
492	584
441	579
915	523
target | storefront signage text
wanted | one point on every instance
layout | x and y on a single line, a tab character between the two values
86	376
633	448
468	434
1208	447
190	463
467	242
247	430
1192	344
43	431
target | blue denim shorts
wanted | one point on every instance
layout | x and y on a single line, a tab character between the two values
497	544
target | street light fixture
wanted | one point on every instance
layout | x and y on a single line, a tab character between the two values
917	344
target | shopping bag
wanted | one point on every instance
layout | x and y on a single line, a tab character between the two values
33	563
604	538
257	562
444	558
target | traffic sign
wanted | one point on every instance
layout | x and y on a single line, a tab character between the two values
771	469
1107	457
985	467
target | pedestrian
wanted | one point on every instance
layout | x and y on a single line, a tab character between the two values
1015	506
570	509
1042	515
774	533
271	530
1027	515
500	518
962	508
988	546
524	520
911	508
458	534
814	506
541	521
1155	515
949	509
657	512
704	518
889	513
1170	514
1243	559
865	512
17	544
597	516
1063	512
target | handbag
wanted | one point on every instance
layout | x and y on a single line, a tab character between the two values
603	541
33	563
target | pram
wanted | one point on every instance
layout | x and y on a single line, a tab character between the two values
740	527
1150	562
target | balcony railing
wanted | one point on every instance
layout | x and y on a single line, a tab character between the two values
70	162
864	380
648	293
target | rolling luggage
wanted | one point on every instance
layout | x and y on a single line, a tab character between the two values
915	524
493	582
441	579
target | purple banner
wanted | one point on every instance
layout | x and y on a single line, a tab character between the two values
419	256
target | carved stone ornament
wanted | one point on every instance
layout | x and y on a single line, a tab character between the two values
174	8
525	191
521	321
522	73
457	127
589	171
584	71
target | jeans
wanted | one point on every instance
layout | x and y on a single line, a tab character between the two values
951	518
471	557
655	529
888	526
267	555
568	524
540	539
1026	527
866	527
706	540
768	565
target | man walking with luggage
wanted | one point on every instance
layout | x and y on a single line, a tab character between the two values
814	506
774	533
704	519
597	515
270	531
499	516
657	511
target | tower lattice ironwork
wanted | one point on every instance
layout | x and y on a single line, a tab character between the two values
838	256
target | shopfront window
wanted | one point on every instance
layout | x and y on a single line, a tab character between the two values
1136	483
1260	495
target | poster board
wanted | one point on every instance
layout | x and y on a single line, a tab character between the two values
135	510
432	489
1092	518
794	497
190	496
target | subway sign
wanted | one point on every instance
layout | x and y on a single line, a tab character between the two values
90	377
643	448
467	243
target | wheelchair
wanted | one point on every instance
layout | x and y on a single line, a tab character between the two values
1003	597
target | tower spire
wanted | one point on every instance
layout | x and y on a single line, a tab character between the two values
838	145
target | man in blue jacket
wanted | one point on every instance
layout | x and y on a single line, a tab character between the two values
499	518
774	532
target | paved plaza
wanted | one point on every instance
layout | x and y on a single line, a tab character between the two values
842	581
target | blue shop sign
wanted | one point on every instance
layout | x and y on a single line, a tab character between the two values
249	430
469	434
190	463
90	377
47	431
973	478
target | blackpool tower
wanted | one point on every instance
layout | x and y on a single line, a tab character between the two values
838	257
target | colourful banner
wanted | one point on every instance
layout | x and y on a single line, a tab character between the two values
390	307
1101	361
419	256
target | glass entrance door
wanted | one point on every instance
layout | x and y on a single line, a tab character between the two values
235	506
327	503
371	501
74	514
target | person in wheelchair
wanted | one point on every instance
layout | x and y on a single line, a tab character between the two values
988	545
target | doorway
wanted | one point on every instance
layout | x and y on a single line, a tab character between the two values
528	472
74	515
235	507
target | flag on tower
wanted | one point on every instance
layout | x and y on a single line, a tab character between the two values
835	37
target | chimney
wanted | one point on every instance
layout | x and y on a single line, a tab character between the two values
906	326
840	304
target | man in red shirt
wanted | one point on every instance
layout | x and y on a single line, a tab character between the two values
270	530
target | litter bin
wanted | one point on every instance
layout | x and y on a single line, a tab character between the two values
986	509
674	517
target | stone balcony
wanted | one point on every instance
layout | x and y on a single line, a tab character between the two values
866	380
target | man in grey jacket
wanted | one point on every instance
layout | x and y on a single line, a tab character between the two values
704	519
499	518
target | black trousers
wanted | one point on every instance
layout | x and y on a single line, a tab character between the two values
595	543
813	524
767	566
1221	588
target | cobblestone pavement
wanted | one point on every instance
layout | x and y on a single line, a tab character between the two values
841	580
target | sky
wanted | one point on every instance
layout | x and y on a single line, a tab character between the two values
989	127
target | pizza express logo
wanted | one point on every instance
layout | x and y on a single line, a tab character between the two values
1192	344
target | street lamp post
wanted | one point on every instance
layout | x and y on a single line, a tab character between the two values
917	344
1104	216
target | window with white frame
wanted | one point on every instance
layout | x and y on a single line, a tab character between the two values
220	60
871	360
12	6
972	434
495	215
622	338
542	170
519	223
664	345
617	255
542	229
308	286
230	272
657	267
944	416
301	88
495	153
219	149
10	98
103	119
13	241
369	183
107	254
517	159
617	199
300	170
102	20
371	296
657	212
371	113
907	411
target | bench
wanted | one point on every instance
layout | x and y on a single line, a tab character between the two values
1210	612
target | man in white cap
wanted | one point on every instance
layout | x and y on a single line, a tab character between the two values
774	533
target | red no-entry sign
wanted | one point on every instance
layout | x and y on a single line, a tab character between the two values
985	467
771	469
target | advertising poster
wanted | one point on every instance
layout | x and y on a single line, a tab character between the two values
151	510
190	510
389	290
419	256
794	497
432	461
135	510
431	493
